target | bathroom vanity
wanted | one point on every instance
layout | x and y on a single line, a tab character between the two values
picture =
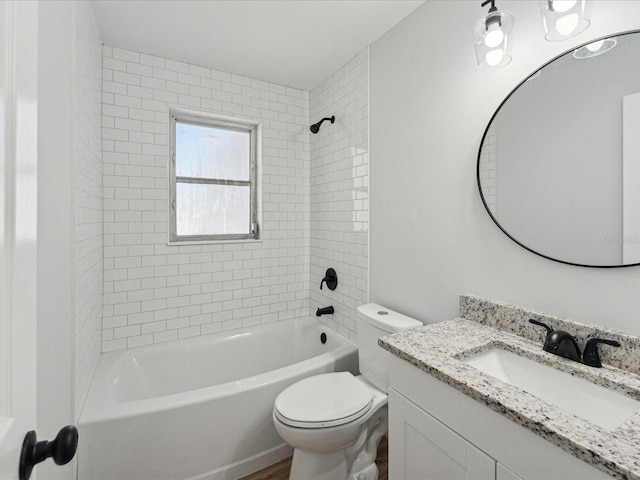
448	419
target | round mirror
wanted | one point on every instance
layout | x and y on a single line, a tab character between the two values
559	164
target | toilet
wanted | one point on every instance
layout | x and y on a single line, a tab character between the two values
334	421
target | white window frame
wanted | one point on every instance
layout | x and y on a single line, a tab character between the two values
229	123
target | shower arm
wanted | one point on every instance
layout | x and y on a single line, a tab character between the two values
315	128
331	119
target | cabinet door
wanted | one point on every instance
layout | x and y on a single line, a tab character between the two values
422	448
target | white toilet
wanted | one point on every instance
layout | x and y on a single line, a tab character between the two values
334	421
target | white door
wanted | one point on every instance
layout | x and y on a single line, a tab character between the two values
18	220
630	178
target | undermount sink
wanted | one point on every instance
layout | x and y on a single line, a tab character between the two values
574	395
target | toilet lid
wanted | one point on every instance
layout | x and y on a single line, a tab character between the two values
322	401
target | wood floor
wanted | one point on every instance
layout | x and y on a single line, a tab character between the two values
280	470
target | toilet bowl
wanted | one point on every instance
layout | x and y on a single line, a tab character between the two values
335	421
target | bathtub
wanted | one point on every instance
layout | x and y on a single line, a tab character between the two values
200	408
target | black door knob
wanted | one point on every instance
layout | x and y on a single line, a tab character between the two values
62	450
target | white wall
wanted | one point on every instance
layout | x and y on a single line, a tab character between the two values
69	215
88	198
154	292
431	238
69	240
340	192
55	229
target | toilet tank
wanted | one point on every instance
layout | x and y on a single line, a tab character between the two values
375	321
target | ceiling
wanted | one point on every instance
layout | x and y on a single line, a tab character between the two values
297	43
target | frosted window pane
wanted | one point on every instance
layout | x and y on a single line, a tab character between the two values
208	152
212	209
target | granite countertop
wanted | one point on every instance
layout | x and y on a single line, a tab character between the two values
439	348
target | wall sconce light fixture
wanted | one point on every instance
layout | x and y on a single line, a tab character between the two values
492	34
492	37
564	19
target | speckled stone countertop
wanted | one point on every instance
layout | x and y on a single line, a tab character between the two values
439	348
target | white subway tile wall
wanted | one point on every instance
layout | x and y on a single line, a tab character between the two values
88	199
157	293
340	192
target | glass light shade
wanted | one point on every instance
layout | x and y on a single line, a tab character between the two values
564	5
492	39
564	19
595	48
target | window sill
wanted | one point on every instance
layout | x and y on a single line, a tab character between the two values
211	242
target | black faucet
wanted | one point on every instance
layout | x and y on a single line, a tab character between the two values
324	311
564	344
560	343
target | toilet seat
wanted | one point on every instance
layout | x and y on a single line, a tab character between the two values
322	401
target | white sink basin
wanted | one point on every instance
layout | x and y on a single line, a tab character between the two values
574	395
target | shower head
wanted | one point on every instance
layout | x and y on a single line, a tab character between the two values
315	128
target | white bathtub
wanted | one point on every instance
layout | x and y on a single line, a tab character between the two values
200	408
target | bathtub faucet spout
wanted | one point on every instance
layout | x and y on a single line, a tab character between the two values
324	311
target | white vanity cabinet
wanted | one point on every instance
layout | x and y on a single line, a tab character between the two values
423	448
438	433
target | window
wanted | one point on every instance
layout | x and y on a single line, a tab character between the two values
213	179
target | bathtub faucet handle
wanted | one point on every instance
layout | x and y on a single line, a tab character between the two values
330	278
324	311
